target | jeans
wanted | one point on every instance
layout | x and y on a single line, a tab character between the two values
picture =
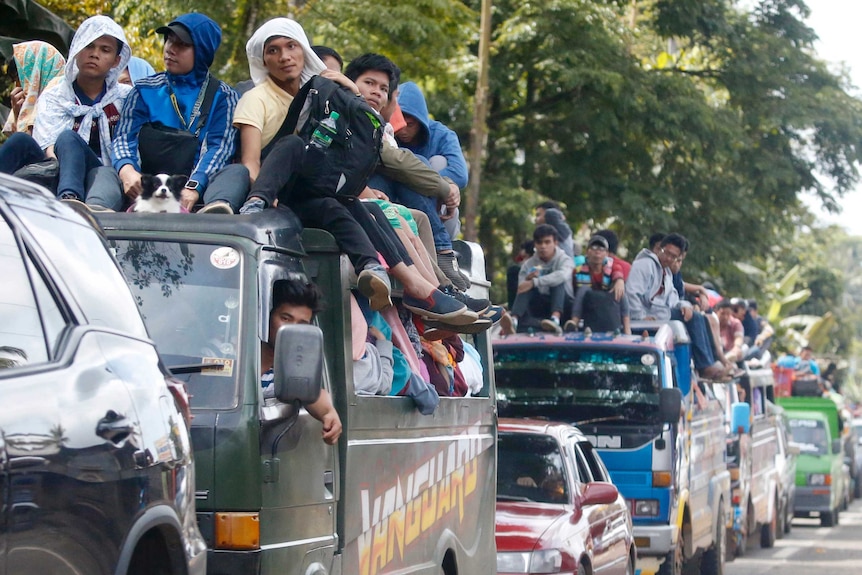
230	184
532	307
403	195
76	159
701	344
18	151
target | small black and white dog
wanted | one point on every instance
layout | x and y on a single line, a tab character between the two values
160	194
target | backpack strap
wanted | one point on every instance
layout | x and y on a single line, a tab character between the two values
297	107
207	104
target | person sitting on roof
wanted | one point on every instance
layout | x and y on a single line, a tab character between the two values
595	302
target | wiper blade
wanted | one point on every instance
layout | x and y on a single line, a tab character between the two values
195	367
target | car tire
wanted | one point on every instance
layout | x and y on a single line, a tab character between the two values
769	530
781	528
630	566
857	487
788	511
829	518
674	562
582	570
713	560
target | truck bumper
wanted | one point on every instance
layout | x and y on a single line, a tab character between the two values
654	540
810	499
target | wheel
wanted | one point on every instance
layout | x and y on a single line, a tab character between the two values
730	541
675	560
788	521
857	487
712	562
630	566
769	530
582	570
781	527
748	527
828	518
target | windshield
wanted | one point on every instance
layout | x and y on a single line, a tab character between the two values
577	383
189	297
810	435
530	468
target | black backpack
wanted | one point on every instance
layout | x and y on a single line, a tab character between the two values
344	167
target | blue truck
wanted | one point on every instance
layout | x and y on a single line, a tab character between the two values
660	432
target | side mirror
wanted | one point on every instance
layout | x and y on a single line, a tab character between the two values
298	363
740	417
836	446
793	449
599	493
670	404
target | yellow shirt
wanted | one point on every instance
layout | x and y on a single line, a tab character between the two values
264	107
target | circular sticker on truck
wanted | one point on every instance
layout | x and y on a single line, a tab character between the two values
224	258
648	359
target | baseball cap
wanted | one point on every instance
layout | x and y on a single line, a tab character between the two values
177	28
598	240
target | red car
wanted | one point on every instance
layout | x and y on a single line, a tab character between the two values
557	511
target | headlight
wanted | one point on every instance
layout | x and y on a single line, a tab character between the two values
645	507
545	561
513	562
819	479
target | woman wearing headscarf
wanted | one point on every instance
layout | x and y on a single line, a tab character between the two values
34	64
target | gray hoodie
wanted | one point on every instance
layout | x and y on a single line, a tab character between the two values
554	272
554	217
646	280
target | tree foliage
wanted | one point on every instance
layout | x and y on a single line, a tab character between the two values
706	117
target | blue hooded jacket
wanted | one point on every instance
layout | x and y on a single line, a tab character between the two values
436	139
150	101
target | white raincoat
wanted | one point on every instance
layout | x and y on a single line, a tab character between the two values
58	106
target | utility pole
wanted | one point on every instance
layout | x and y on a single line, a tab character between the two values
479	131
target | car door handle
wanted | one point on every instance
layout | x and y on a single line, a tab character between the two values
114	427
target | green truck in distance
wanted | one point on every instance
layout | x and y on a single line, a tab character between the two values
816	428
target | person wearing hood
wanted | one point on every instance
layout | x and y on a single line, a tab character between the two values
76	118
173	100
34	64
437	146
138	68
556	218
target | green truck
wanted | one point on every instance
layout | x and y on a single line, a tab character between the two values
400	491
816	428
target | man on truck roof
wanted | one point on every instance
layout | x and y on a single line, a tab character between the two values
295	303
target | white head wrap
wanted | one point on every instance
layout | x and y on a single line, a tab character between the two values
58	107
289	29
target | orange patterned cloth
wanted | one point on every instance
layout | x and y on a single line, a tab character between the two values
38	63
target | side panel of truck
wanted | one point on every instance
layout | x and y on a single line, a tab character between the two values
417	492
